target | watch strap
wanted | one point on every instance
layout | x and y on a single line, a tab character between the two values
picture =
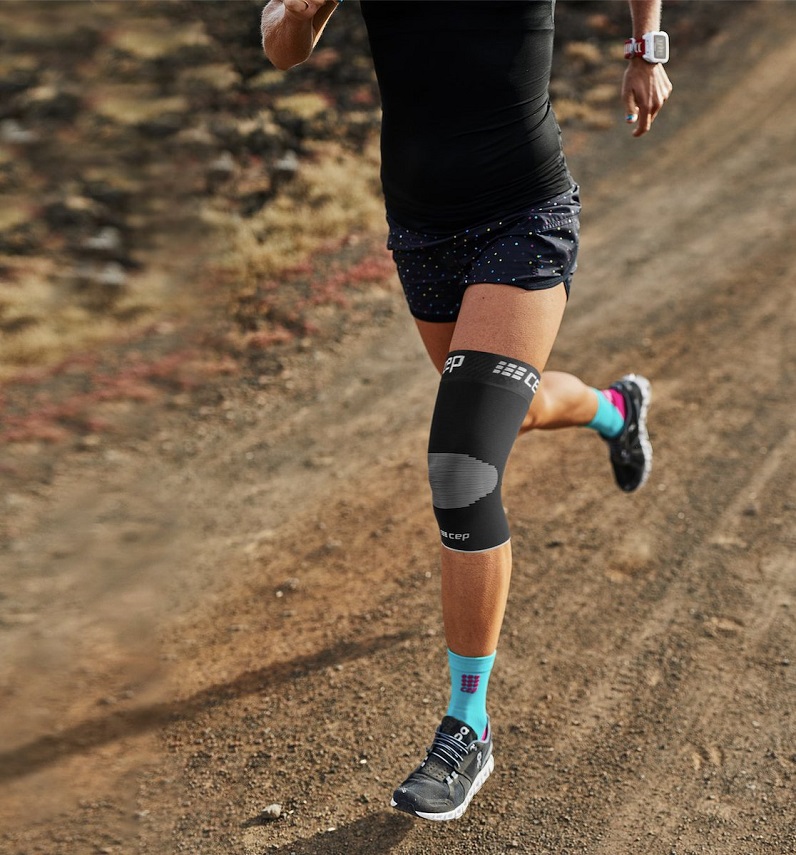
652	47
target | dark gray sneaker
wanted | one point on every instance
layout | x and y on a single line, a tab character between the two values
631	452
455	768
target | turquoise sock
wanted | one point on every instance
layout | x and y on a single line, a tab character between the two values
469	679
608	421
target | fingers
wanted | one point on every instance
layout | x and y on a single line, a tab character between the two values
631	108
302	8
645	90
659	92
629	91
646	114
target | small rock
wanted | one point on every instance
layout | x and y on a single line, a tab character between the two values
89	442
13	133
287	165
107	241
285	169
112	276
271	812
221	169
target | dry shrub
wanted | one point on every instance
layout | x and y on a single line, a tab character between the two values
603	93
42	320
156	37
335	193
568	111
584	52
305	105
131	103
52	339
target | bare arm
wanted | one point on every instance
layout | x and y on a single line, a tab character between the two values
291	29
645	87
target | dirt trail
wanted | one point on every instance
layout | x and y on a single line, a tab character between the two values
286	571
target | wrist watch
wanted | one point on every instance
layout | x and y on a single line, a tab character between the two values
651	47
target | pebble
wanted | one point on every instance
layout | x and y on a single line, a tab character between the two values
12	132
271	812
284	170
222	168
112	275
287	165
107	240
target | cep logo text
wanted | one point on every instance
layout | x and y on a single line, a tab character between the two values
517	372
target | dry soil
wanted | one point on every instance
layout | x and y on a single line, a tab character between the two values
238	607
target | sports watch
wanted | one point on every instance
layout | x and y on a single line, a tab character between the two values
651	47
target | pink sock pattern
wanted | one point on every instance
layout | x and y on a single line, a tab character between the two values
617	400
470	683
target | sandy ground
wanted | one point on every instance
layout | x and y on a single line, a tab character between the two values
240	608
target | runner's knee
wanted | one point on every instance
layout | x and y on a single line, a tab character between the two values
482	401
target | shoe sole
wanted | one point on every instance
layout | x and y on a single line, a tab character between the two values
646	399
456	812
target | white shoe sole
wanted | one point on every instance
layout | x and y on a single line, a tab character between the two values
457	812
643	436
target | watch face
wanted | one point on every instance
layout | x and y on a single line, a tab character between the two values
659	47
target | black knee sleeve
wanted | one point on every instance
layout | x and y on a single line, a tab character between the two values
482	401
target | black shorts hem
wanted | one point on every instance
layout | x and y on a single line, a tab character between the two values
535	285
534	251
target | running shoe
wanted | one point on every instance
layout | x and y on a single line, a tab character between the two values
631	452
455	768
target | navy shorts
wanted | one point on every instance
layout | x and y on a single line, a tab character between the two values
533	250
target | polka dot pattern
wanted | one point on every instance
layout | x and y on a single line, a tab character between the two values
533	250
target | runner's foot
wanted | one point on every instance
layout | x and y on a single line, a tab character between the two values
455	768
631	452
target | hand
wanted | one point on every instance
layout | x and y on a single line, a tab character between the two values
304	9
645	88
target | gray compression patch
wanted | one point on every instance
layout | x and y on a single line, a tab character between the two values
458	480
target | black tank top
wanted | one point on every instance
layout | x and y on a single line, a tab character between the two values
468	132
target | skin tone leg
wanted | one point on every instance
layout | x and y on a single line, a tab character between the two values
520	324
562	400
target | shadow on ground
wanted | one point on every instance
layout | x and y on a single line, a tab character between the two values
93	733
377	833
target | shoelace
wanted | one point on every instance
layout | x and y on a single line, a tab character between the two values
448	749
